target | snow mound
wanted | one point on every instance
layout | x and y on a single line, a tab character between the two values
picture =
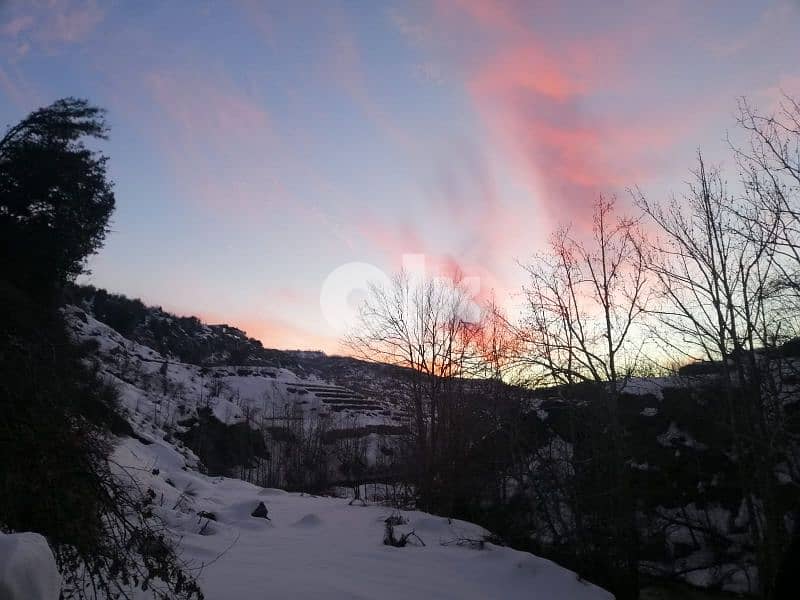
27	568
272	492
309	520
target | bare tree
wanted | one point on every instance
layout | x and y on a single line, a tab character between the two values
770	167
351	450
422	325
585	304
715	266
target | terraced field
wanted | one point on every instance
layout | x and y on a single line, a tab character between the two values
341	399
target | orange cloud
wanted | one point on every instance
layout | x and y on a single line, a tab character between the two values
277	333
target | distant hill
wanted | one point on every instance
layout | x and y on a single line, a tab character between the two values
189	340
185	338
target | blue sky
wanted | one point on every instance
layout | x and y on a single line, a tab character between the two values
257	146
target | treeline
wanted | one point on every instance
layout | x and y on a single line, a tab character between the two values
58	419
711	276
185	338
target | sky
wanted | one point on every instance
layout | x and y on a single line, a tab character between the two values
257	147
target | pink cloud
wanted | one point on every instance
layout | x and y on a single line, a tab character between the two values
772	96
535	91
393	239
18	90
396	240
72	21
207	107
219	139
289	295
535	101
17	25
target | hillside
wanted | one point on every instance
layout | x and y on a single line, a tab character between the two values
304	421
215	409
191	423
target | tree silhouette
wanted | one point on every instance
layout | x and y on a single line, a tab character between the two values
55	197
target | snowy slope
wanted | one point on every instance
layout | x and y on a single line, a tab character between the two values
312	546
159	391
315	547
164	396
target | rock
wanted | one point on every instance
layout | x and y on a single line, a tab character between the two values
261	512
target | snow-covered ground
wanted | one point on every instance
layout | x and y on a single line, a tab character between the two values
322	547
27	568
311	547
158	390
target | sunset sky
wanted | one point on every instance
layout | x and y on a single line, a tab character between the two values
257	146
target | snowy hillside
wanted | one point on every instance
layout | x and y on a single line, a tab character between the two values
314	547
331	423
311	546
159	391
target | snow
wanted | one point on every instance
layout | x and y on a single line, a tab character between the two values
694	562
655	386
159	390
316	547
27	568
674	435
311	546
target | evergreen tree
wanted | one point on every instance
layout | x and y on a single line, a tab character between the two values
58	419
55	197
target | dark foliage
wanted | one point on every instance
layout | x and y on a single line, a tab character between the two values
57	417
693	467
55	478
185	338
222	447
701	368
55	199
